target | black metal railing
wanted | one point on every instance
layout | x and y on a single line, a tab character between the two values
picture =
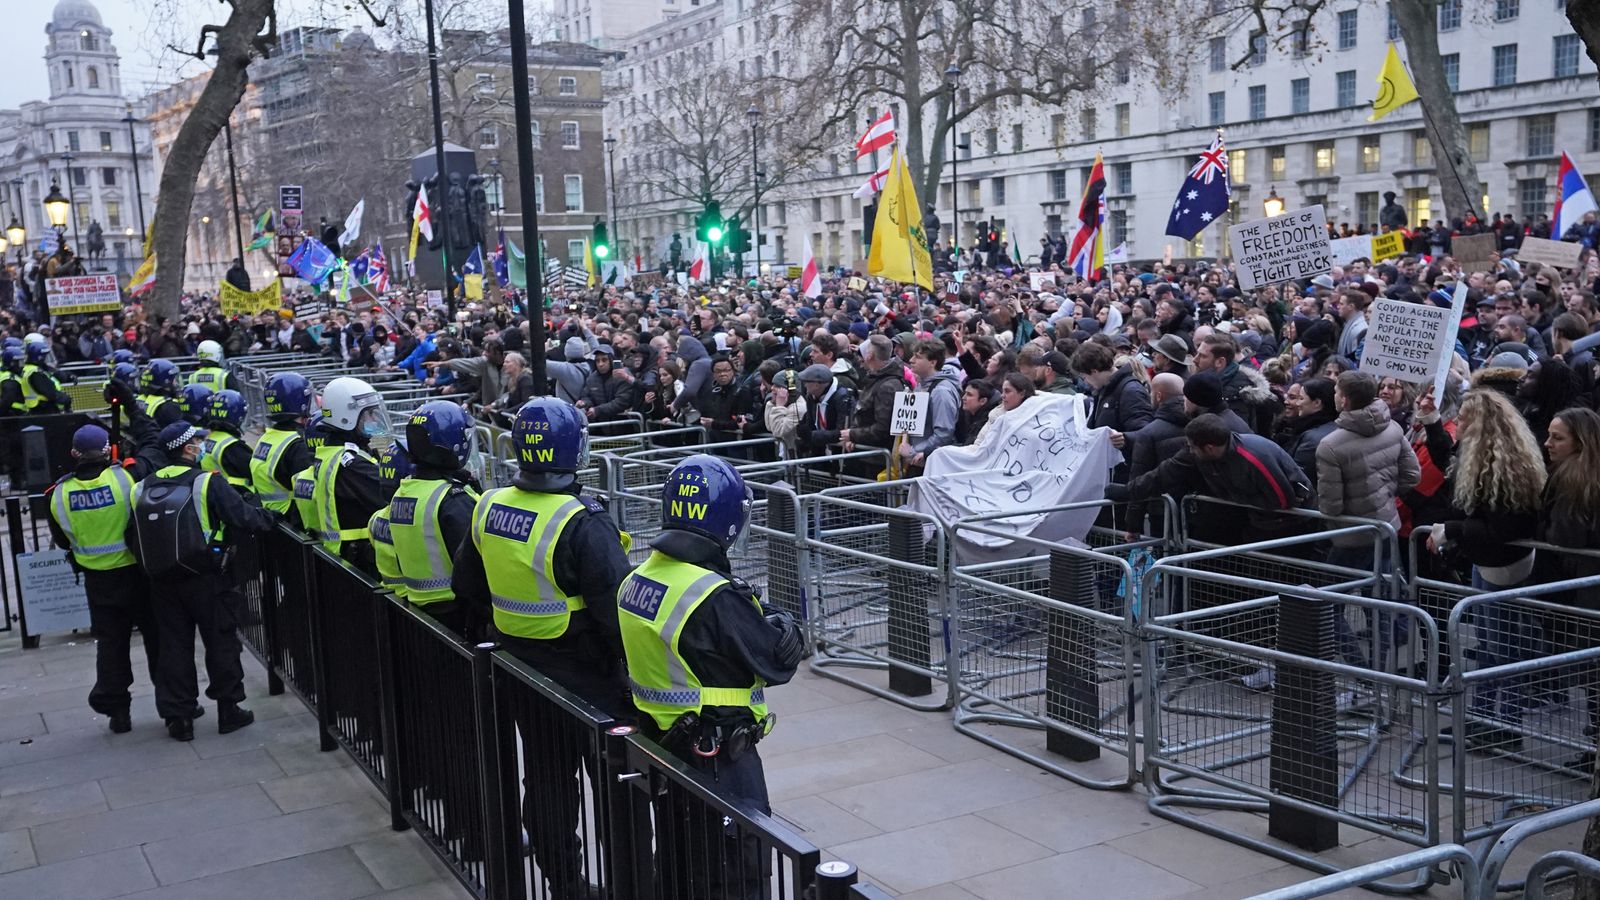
523	789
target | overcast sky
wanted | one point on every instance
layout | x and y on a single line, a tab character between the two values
141	30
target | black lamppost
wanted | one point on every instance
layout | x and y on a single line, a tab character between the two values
754	115
133	157
72	200
952	77
526	193
611	187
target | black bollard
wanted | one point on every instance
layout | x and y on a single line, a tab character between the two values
1305	743
909	634
1072	693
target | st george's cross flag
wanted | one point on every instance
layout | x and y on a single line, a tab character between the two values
810	278
1205	193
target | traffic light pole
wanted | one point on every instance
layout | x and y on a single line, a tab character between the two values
527	196
755	181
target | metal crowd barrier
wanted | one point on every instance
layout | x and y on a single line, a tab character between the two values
1269	702
1428	859
1044	637
474	750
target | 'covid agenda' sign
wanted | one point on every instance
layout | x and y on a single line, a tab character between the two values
1281	248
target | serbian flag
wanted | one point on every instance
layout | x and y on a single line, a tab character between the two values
810	278
1087	252
880	135
1573	198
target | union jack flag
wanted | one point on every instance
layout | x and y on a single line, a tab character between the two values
1205	194
378	268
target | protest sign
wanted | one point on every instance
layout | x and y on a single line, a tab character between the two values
857	284
1281	248
1458	304
1404	340
306	310
1037	456
1560	254
910	413
1388	245
53	599
1474	252
1347	250
1037	280
290	197
82	294
435	298
235	302
792	272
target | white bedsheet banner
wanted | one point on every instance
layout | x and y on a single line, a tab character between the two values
1037	456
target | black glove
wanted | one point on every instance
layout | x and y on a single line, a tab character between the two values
118	393
791	645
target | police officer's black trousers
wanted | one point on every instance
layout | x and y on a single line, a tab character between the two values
705	859
209	604
119	601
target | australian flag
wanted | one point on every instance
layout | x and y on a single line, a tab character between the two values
502	268
1204	195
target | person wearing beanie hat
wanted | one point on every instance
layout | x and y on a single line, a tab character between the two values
190	585
1202	394
89	510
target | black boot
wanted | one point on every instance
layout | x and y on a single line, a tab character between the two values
121	722
232	717
181	729
198	711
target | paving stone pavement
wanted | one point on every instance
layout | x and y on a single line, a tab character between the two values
926	812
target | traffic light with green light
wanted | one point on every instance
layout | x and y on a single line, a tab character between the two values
602	240
709	227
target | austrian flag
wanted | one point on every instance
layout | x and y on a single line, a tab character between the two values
879	136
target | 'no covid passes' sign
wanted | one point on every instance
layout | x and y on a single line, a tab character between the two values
1288	247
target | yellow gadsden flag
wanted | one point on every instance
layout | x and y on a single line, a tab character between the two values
899	245
1394	86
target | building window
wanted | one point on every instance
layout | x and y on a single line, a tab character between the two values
1322	157
67	67
108	176
569	135
94	77
113	214
538	193
1347	29
1394	26
1421	150
83	211
575	252
567	86
1058	129
72	142
991	141
489	135
88	41
80	177
1371	153
1058	184
105	142
1419	204
1300	96
1540	134
1532	194
1566	55
1219	54
1452	71
1277	162
536	133
485	82
1089	123
1594	131
1506	10
1345	82
1119	227
1052	225
1121	71
1016	138
998	188
1258	50
1478	141
574	193
1300	39
1217	101
1367	208
1258	101
1124	120
1122	177
1236	167
1505	65
494	191
1449	15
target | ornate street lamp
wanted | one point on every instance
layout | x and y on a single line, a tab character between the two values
57	208
1273	204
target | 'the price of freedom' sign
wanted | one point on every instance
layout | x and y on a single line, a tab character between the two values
1405	340
1281	248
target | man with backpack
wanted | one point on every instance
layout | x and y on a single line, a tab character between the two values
184	525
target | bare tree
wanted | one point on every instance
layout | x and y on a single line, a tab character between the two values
1585	18
855	55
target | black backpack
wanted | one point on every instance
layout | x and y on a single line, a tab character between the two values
168	538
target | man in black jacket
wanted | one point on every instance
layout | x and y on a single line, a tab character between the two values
1121	402
608	391
869	427
828	408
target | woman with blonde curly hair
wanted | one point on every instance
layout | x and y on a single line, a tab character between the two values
1499	476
